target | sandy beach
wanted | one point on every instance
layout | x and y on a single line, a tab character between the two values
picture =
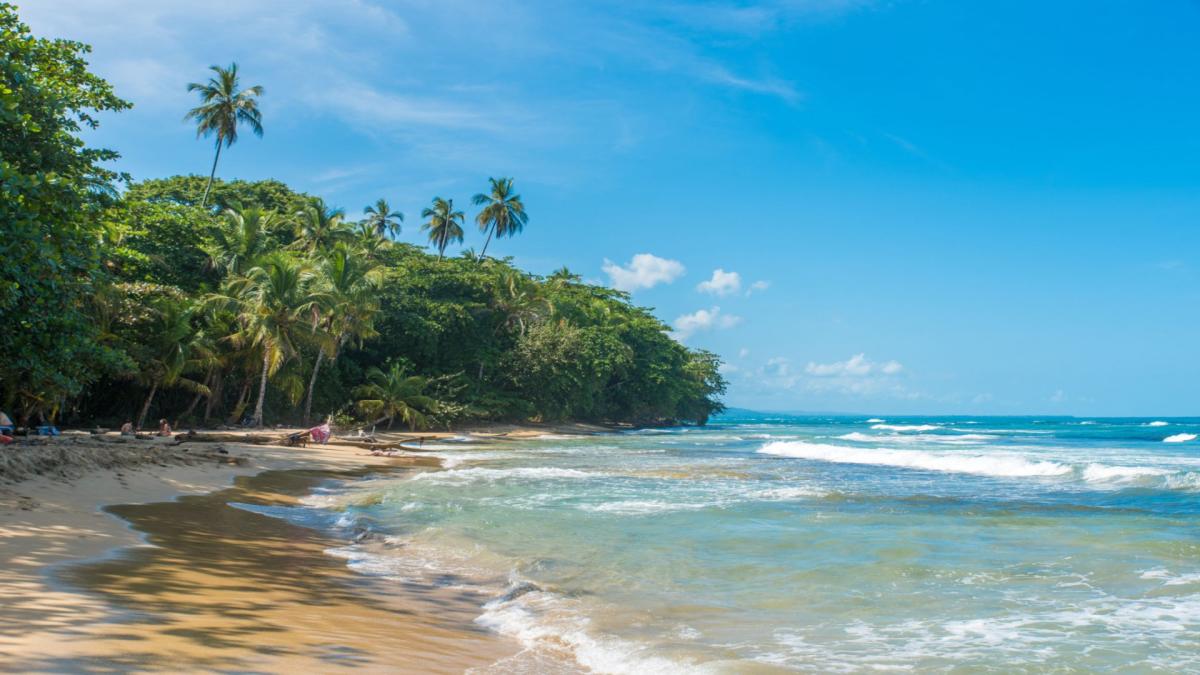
148	568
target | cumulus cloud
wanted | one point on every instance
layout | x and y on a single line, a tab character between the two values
645	270
855	366
722	283
856	376
703	320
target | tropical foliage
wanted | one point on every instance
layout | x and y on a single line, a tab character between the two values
269	305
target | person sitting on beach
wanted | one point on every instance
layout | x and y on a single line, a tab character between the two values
127	428
164	428
6	423
321	434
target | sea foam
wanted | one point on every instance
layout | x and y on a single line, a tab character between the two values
1179	438
982	465
905	427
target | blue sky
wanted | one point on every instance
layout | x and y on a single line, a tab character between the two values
929	207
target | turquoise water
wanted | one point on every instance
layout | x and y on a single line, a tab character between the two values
827	544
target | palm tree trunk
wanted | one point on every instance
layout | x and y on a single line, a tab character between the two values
486	242
240	407
312	383
262	389
146	406
196	401
212	175
213	396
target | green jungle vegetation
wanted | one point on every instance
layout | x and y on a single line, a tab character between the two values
206	301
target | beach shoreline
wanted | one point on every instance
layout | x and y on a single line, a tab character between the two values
78	517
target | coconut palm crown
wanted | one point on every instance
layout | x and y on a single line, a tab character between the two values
223	107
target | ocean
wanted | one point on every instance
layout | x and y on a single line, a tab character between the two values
767	542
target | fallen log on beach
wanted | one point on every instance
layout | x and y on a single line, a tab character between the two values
380	445
208	437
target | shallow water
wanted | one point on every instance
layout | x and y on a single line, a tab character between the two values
828	544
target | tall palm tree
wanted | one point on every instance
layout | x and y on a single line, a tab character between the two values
503	212
381	217
175	345
319	227
274	301
392	393
349	285
445	224
223	106
241	240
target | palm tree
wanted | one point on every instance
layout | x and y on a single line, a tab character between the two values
175	346
392	393
383	218
241	240
519	303
503	214
445	224
348	304
273	301
222	108
368	242
319	227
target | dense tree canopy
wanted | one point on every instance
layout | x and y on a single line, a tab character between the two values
268	304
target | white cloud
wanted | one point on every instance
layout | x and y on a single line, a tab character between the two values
856	376
757	287
855	366
643	271
1058	396
743	353
722	283
703	320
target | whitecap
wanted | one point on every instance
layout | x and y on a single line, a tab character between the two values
1179	438
983	465
1157	423
906	427
875	420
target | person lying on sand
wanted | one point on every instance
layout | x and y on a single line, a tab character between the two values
164	428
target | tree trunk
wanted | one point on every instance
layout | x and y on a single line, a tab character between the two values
312	383
213	396
240	407
262	389
487	241
196	401
146	406
212	175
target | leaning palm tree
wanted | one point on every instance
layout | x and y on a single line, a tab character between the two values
349	285
223	106
381	217
503	212
445	224
392	393
274	301
175	345
319	227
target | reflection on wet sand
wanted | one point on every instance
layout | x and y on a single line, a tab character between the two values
223	588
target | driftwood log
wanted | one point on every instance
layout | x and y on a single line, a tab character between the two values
381	445
266	439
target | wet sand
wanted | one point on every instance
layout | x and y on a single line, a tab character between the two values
221	588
